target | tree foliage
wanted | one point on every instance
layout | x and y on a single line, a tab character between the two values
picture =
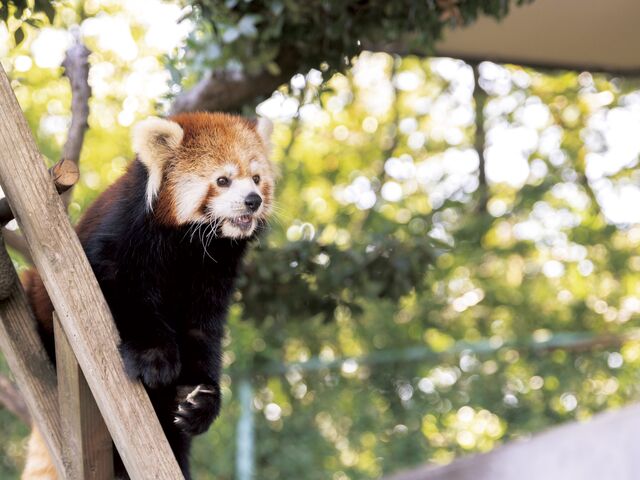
250	36
17	13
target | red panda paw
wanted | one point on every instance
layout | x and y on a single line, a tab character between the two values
156	366
197	408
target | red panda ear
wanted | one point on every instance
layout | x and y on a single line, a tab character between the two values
155	140
264	127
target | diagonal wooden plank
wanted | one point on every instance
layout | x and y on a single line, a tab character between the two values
76	296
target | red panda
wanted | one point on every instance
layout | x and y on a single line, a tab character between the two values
165	242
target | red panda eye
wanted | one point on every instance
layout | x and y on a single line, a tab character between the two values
223	182
256	179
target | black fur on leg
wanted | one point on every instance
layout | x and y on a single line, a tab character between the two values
155	367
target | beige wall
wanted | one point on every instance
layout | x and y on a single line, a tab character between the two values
594	34
605	448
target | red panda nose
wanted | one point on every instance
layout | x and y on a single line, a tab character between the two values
253	201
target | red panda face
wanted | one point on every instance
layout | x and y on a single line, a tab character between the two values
207	168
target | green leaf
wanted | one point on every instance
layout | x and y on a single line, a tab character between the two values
176	76
47	8
34	22
49	11
18	36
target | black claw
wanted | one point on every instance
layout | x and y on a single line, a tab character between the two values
197	408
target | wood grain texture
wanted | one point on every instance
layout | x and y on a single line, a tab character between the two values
28	361
76	296
86	443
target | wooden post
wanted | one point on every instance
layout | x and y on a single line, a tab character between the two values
86	443
77	299
27	359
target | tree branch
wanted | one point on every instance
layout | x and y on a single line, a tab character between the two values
76	69
11	399
17	242
65	173
224	91
229	91
480	99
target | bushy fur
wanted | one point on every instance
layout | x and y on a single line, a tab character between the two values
168	285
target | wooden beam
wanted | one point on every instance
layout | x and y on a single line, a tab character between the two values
86	443
27	359
76	296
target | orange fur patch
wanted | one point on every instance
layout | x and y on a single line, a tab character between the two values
39	465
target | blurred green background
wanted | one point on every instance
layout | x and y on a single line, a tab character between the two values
411	303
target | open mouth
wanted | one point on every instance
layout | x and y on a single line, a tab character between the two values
243	222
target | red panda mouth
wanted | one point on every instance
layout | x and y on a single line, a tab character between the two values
243	222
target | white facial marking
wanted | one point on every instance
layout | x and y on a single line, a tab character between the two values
255	167
190	192
228	170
